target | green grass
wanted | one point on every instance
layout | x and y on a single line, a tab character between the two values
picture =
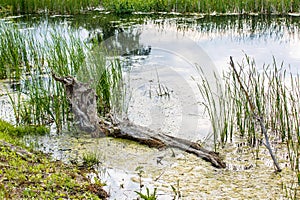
204	6
20	131
90	159
26	174
129	6
48	6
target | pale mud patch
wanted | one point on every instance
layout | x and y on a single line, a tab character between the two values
198	180
246	177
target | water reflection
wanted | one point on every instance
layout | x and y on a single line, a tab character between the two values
149	47
160	51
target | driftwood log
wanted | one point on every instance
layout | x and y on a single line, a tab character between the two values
83	102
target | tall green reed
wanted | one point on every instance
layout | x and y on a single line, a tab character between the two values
205	6
271	93
48	6
218	108
13	54
40	99
129	6
105	77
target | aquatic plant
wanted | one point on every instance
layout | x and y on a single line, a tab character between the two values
90	159
105	77
39	99
218	106
263	105
148	195
274	92
140	173
13	53
48	6
129	6
176	191
206	6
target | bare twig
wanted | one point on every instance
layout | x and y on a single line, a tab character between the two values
257	116
19	151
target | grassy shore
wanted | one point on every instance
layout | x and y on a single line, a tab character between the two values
25	174
129	6
47	6
204	6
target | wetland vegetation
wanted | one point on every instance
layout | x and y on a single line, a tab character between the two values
27	174
250	102
29	64
129	6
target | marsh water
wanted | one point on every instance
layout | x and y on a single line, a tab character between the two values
158	55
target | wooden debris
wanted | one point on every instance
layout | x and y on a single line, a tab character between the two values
83	100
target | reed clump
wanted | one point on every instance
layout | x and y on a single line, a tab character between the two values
39	99
48	6
205	6
258	104
129	6
13	54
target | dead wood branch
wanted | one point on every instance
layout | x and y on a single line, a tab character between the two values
83	100
257	116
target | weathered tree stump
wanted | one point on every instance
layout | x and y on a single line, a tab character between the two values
83	101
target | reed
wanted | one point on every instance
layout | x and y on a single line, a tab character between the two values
129	6
205	6
48	6
260	105
13	54
41	100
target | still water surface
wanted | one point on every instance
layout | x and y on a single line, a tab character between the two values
159	53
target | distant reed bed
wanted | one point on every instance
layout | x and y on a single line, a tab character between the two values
129	6
48	6
204	6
